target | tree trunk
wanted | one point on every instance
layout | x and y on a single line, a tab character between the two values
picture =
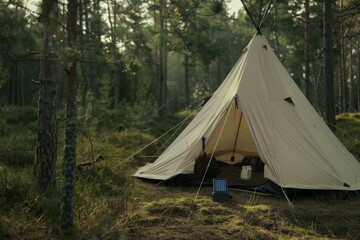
229	42
164	62
349	80
328	66
342	77
160	57
218	72
277	42
307	52
111	6
358	77
68	184
90	52
98	43
46	145
187	80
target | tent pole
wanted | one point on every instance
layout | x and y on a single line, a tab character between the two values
260	10
237	134
268	13
213	152
252	19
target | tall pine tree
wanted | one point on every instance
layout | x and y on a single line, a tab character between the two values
68	184
46	148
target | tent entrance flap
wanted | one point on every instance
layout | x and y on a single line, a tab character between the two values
248	172
236	141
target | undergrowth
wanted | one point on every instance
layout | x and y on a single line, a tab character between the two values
111	204
348	131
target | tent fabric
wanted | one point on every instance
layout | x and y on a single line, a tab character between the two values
258	110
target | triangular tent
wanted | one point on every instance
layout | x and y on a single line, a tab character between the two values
259	112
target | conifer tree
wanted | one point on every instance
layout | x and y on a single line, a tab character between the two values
46	148
68	184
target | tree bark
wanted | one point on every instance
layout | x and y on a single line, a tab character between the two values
187	80
91	47
69	165
358	78
342	77
349	80
328	66
160	57
307	52
112	17
46	146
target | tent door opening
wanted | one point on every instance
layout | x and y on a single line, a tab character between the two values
248	172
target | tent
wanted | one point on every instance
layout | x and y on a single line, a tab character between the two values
259	112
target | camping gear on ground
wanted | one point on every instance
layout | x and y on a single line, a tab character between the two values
220	190
246	172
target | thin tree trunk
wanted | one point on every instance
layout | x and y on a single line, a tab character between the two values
229	43
307	51
95	46
112	22
342	77
358	78
46	146
178	84
68	184
22	94
160	56
164	60
13	90
187	80
61	65
277	44
218	72
161	60
350	78
90	55
328	66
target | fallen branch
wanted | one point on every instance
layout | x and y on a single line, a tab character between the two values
89	163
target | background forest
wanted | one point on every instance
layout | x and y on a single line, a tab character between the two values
114	75
173	53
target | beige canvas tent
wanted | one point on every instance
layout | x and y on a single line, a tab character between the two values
259	111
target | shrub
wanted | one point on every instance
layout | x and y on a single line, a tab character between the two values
348	131
17	144
15	186
16	115
104	181
132	140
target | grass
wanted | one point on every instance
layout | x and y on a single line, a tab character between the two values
110	204
172	216
348	131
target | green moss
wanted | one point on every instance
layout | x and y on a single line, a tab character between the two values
257	208
215	210
170	207
214	219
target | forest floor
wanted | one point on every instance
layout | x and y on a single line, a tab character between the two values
111	204
161	212
174	213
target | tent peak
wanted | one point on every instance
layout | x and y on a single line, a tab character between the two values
262	18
